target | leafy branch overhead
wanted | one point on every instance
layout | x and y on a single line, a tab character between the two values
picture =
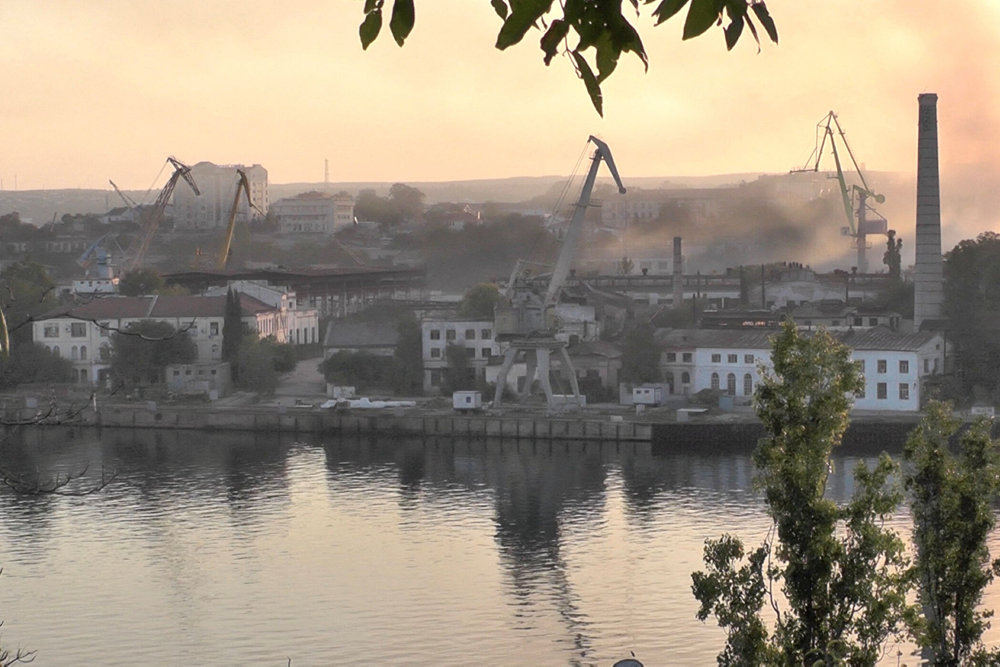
593	33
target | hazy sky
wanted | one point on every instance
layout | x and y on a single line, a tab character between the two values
107	89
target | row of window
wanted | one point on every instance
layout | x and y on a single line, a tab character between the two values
881	366
685	356
882	391
732	358
76	330
731	383
470	334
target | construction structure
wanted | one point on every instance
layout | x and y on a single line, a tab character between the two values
928	296
218	183
242	187
525	319
855	198
149	220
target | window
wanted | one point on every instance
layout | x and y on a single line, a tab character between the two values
747	358
716	358
881	364
715	380
671	356
83	353
486	334
74	353
470	352
450	334
470	334
904	391
51	331
435	378
861	392
176	373
685	378
55	350
860	363
435	334
78	329
486	352
747	385
836	323
213	329
103	328
904	366
435	353
732	358
881	391
731	384
872	321
858	321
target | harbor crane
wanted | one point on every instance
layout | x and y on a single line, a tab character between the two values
855	198
129	202
242	186
151	215
526	320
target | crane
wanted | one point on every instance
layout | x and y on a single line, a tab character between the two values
242	185
859	225
153	214
129	202
526	320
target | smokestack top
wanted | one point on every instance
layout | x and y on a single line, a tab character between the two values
927	98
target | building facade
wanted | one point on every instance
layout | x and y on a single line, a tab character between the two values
217	183
314	213
476	337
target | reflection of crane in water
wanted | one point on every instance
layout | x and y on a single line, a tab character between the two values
526	320
864	226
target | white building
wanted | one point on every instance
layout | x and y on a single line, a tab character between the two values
315	212
893	363
298	325
217	183
83	333
475	336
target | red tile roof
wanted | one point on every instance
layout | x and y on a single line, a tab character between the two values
164	306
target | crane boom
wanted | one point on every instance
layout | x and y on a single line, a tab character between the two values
568	250
152	215
129	202
242	185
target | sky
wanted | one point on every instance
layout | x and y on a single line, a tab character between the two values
108	89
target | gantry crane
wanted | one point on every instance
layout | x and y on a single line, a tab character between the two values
153	214
859	225
526	320
242	185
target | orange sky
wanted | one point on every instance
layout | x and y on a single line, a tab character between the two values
107	89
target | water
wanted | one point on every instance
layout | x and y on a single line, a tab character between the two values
231	549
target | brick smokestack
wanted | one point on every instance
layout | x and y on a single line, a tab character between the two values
678	281
928	279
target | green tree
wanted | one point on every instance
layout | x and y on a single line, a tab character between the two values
283	354
140	282
972	303
26	291
458	374
407	202
640	355
625	266
141	351
951	499
478	303
408	364
255	361
599	28
362	370
842	573
232	328
893	255
33	363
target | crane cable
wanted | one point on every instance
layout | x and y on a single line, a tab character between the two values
560	200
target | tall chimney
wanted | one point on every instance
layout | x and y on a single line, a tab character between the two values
678	282
928	279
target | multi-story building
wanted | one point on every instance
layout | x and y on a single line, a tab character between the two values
729	361
475	336
315	212
83	333
217	183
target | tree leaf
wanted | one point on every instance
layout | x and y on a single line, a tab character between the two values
552	37
401	22
760	9
372	5
607	57
700	17
523	15
370	28
500	7
667	8
733	31
590	81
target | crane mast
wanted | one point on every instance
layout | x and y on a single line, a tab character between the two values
153	214
242	186
859	226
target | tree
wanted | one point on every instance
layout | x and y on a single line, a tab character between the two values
842	573
232	328
407	202
952	506
478	303
255	361
599	28
972	303
26	291
458	375
141	351
140	282
625	266
640	355
33	363
362	370
408	364
892	257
